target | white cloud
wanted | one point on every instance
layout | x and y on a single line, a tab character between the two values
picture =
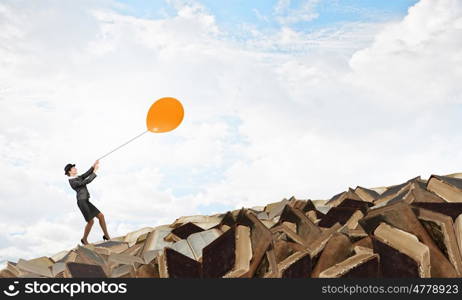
284	113
339	41
423	49
286	15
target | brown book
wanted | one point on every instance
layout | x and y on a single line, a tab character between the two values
57	269
35	268
243	253
419	193
260	237
218	257
172	238
69	257
354	234
262	215
155	239
441	229
87	256
312	216
458	232
297	265
267	268
113	246
284	248
448	188
416	191
400	197
452	209
319	214
366	194
380	189
205	222
303	205
59	255
150	255
80	270
363	206
42	261
126	259
337	249
275	209
177	265
318	245
364	242
290	234
138	235
362	265
360	249
401	216
150	270
228	220
186	229
292	201
352	223
395	191
308	205
290	225
401	253
123	271
12	267
7	274
337	214
141	238
305	228
230	255
337	199
133	250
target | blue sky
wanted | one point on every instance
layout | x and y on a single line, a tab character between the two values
261	13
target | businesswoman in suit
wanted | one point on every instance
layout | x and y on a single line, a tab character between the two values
89	211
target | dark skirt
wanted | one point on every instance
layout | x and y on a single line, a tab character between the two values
89	211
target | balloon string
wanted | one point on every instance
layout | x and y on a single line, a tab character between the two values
123	144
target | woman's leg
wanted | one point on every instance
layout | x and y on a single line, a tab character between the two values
102	223
87	230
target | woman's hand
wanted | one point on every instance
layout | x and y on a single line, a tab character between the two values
96	163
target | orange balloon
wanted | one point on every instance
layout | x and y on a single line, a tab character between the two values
164	115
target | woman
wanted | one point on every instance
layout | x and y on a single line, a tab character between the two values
89	211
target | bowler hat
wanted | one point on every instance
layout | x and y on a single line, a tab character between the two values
68	167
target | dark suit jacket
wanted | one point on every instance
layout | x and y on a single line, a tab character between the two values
79	183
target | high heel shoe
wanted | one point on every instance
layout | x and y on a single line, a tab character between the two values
105	238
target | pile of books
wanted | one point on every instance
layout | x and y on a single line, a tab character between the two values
413	229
